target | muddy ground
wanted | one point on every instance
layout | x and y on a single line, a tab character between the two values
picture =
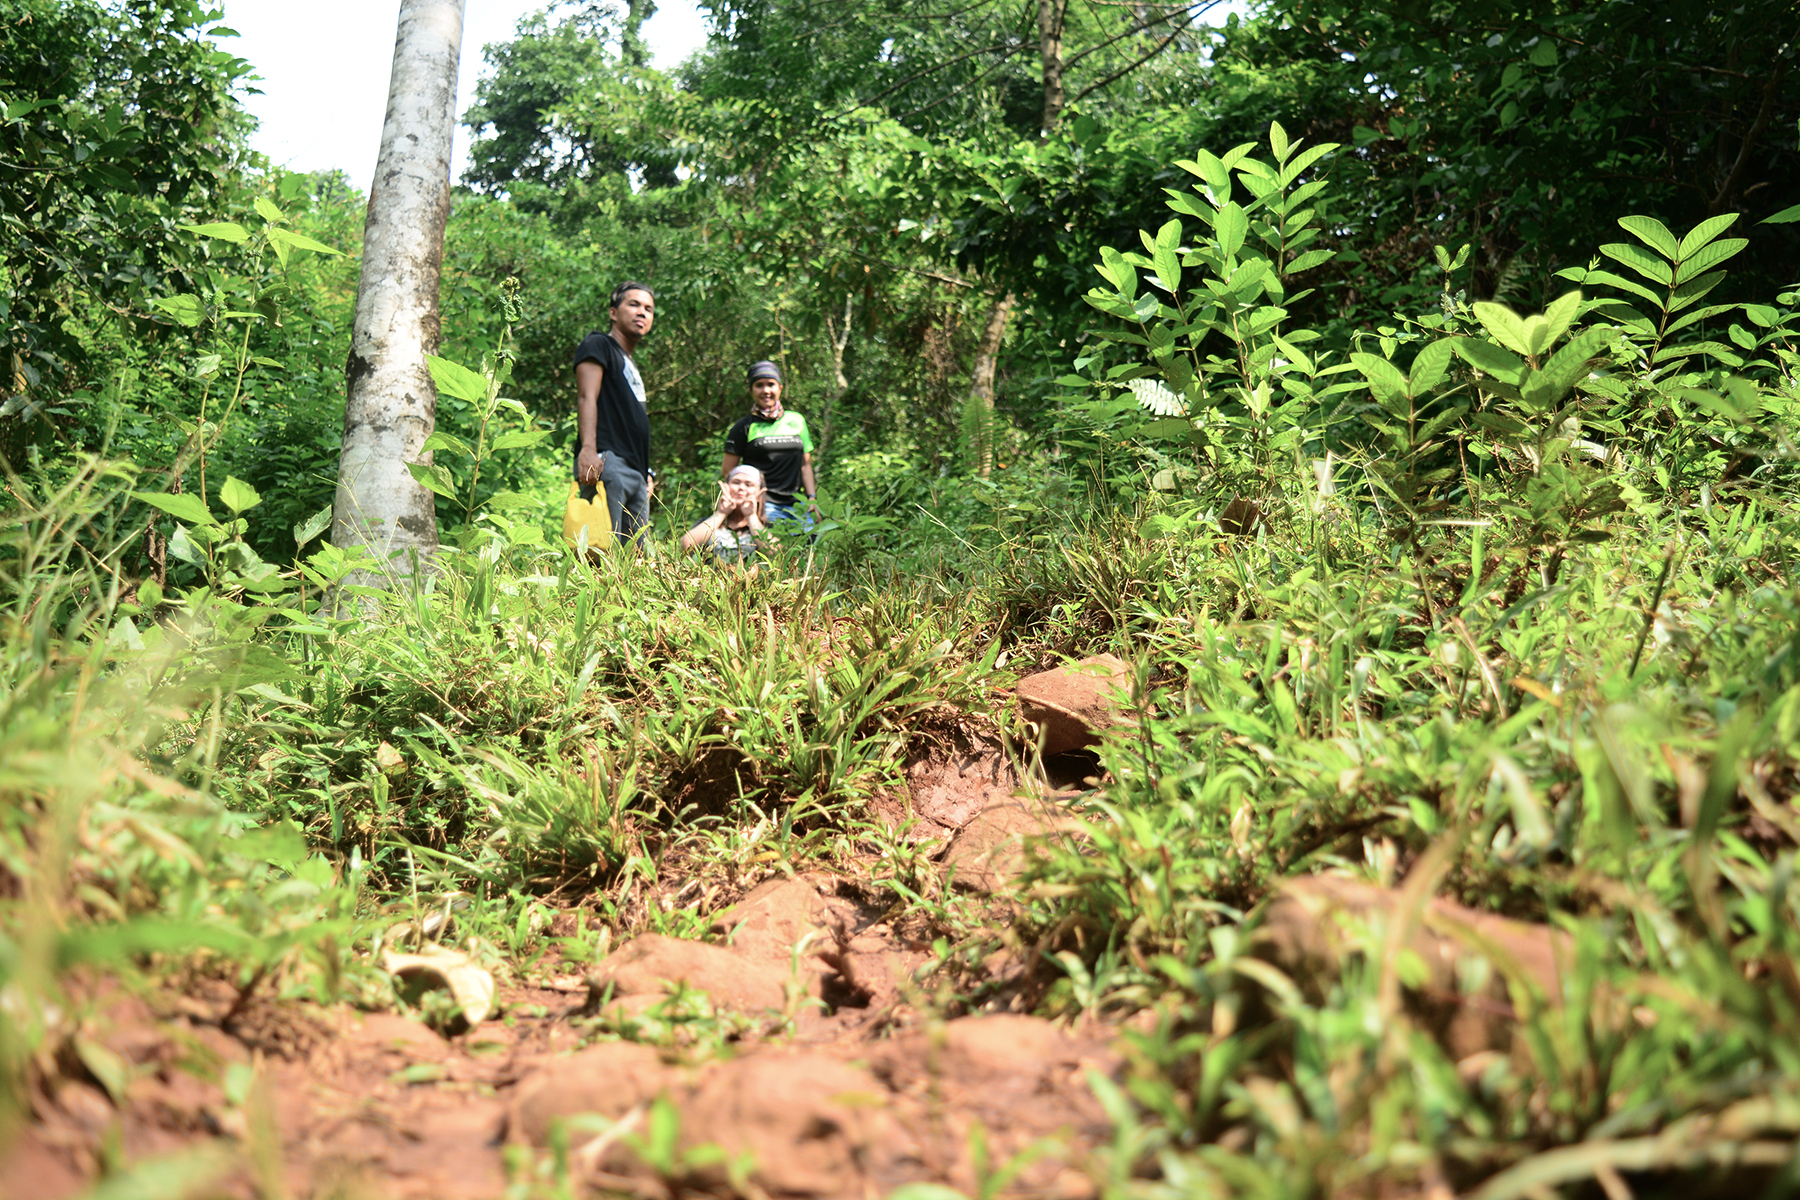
812	1066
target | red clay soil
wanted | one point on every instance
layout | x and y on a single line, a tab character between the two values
837	1085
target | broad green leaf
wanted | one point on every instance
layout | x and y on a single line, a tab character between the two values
1312	258
1707	257
225	231
1629	285
1184	202
512	502
1278	140
1385	379
1558	317
1723	406
1232	227
1211	169
1568	365
1504	326
312	527
1167	428
1485	356
1693	291
300	241
1698	314
182	507
184	308
1530	818
1429	366
441	440
1293	354
1121	274
1640	260
270	213
237	495
1544	53
1167	257
1306	158
1786	216
435	477
454	379
1442	421
1703	233
518	439
1654	234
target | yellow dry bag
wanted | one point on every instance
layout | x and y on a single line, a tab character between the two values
590	515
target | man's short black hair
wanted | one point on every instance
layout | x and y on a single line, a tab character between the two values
630	285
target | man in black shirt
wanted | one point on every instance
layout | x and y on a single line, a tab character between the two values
612	422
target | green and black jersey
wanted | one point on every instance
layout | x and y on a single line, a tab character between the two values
777	448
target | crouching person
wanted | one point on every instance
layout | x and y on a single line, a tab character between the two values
732	530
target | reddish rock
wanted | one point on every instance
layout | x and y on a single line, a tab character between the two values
647	965
608	1080
1072	706
1470	957
990	852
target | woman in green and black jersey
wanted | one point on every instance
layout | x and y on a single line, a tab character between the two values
775	442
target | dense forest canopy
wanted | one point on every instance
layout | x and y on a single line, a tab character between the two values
902	202
1303	597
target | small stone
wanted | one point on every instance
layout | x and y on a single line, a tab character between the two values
1074	705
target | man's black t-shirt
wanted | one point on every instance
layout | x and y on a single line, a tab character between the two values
621	418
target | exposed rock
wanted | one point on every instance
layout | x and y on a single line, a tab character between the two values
775	917
990	852
608	1080
809	1124
952	789
1469	956
647	965
1072	706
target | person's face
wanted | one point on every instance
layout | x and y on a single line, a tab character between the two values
765	392
634	313
742	491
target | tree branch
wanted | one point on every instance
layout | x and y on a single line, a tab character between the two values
1162	19
1750	140
1132	66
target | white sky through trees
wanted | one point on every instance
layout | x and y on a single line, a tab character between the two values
325	66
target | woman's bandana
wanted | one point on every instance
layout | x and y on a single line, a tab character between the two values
769	410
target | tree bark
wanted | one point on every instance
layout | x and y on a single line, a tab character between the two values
391	402
1050	49
980	405
836	340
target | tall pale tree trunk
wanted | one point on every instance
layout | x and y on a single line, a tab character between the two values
978	410
391	407
1050	49
836	340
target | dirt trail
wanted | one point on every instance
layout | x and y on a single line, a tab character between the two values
794	1054
834	1081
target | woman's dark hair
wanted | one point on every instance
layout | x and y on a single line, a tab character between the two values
630	285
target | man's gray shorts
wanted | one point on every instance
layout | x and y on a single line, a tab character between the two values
627	497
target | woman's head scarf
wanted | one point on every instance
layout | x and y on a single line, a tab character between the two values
770	410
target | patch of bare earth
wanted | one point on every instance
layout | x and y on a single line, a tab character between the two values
836	1083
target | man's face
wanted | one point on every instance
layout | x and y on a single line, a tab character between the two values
634	313
742	490
765	392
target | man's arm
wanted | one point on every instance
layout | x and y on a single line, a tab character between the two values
588	460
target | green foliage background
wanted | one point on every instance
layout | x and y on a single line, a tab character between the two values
1408	395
